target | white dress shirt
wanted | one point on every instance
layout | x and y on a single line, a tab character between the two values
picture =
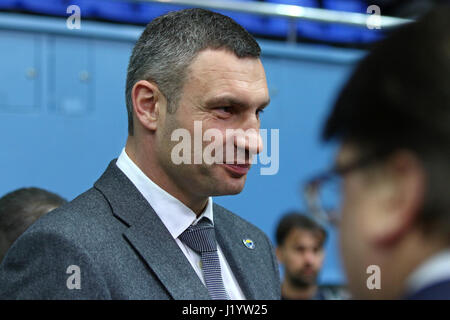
177	218
433	270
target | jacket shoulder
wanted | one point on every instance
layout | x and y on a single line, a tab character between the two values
235	221
79	216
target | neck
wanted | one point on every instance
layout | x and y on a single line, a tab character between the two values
291	292
145	159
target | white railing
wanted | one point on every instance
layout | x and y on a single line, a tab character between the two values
293	13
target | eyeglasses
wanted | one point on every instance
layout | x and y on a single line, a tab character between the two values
323	193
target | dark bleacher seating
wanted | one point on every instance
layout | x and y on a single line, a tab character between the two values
142	12
280	26
8	4
50	7
349	34
253	23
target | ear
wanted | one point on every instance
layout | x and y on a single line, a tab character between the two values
401	198
148	104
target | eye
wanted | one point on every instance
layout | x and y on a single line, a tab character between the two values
259	112
224	111
299	249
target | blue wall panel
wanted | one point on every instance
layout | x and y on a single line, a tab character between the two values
79	120
19	66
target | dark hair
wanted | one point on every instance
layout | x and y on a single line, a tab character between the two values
297	220
398	97
19	209
170	42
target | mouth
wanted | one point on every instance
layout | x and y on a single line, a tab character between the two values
238	170
308	272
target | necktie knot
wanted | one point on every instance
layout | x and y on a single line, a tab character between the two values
201	237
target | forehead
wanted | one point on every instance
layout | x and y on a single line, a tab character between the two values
214	72
303	237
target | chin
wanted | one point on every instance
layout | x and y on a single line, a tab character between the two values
228	185
223	189
229	191
235	191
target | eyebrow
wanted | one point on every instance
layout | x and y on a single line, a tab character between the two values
232	101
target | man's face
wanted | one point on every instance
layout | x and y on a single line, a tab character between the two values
221	92
302	256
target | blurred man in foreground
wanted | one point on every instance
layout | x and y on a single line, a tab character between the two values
393	122
19	209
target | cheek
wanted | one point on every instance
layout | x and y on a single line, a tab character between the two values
295	260
358	211
352	225
355	209
320	259
355	235
165	143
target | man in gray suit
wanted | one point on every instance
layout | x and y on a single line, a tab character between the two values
148	229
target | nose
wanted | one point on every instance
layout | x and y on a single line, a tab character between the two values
249	140
310	257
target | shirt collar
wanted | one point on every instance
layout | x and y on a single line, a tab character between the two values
433	270
176	216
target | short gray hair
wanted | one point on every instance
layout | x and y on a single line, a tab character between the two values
170	42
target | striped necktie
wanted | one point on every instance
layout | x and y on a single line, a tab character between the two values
201	238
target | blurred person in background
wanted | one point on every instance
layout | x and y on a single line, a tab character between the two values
392	121
19	209
300	249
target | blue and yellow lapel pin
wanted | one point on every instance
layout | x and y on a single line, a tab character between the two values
249	243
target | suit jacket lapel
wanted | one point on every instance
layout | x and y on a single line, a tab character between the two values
149	237
240	258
